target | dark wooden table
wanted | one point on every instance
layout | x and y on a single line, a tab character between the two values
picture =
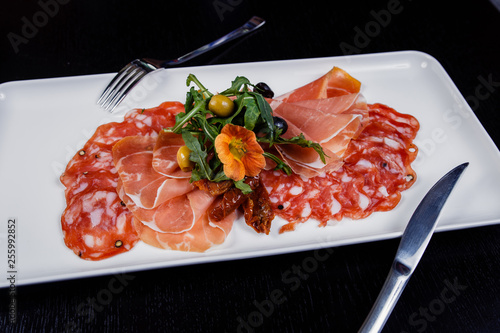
456	287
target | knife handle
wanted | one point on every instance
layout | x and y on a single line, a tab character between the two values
387	299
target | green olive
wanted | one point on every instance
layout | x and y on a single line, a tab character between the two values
183	160
221	106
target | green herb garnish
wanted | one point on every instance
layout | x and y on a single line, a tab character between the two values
200	126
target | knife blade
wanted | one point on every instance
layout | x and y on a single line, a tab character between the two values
414	240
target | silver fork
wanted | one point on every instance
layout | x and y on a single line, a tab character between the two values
131	74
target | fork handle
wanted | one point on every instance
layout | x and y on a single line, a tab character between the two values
254	23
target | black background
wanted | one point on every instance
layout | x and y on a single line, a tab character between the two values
90	37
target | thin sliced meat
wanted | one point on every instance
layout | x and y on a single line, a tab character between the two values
176	215
96	154
90	159
306	161
165	155
83	181
201	237
133	157
329	111
153	120
332	105
336	82
377	169
97	226
108	134
332	131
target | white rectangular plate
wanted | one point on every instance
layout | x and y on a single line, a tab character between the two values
44	122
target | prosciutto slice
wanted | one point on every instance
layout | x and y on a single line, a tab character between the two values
165	155
167	212
336	82
202	236
329	111
156	200
133	159
306	161
174	215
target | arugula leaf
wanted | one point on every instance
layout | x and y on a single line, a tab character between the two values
244	187
220	176
204	91
183	117
211	131
301	141
188	105
236	85
280	165
252	112
266	113
198	155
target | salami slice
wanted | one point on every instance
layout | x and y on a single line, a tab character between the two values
376	169
97	226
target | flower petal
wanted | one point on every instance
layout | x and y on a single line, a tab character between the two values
239	152
254	163
235	170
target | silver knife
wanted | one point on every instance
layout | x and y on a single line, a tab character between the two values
415	238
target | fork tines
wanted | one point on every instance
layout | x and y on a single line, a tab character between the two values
123	82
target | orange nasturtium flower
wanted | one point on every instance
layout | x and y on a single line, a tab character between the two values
239	152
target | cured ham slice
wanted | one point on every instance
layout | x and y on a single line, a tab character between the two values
165	155
306	161
175	215
332	131
336	82
133	158
96	153
329	111
331	105
168	213
201	237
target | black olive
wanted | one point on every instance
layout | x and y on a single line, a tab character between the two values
264	90
281	124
